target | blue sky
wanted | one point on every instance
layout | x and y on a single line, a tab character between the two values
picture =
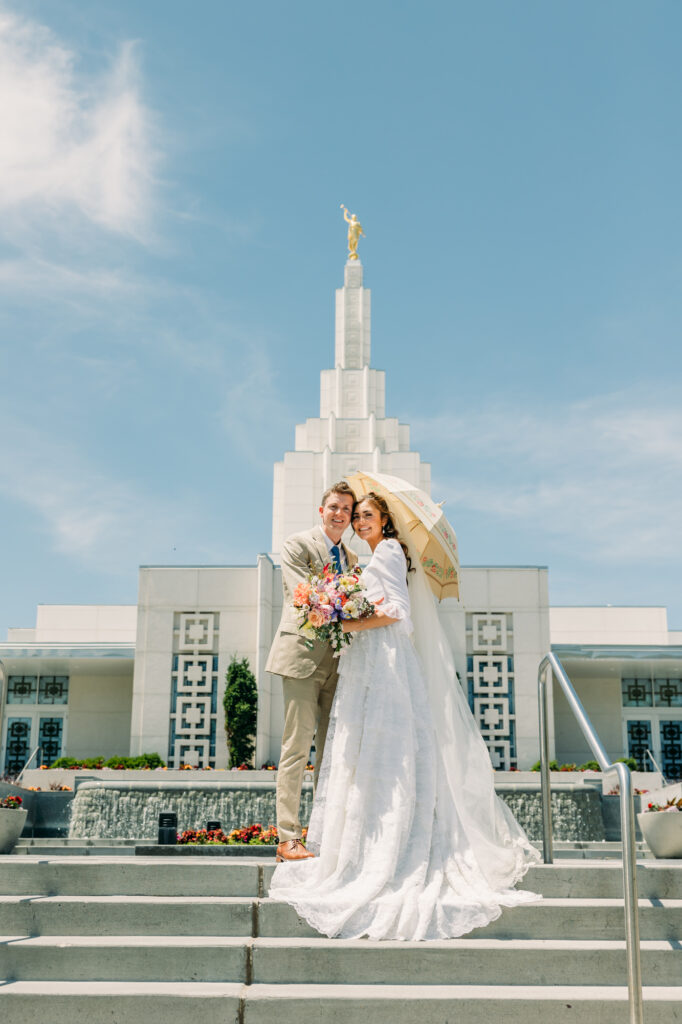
170	242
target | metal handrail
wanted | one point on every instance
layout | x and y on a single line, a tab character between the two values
656	765
627	818
27	763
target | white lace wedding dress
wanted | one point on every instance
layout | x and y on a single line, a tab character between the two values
411	841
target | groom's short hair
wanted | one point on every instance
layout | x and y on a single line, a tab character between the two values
340	488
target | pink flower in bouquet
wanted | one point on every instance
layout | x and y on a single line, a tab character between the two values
316	618
330	599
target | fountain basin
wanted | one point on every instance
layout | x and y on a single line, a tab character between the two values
130	809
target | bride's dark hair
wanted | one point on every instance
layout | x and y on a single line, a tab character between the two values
388	528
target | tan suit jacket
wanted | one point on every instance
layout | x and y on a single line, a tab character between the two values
302	554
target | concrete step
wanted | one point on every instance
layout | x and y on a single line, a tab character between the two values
459	961
656	879
242	916
589	879
55	846
38	843
121	875
333	961
206	876
161	939
131	915
551	919
125	958
32	847
440	1004
109	1002
175	1002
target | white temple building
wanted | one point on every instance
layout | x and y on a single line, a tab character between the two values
91	680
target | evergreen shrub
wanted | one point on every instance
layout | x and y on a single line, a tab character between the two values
240	703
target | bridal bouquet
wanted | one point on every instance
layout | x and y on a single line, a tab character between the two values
325	600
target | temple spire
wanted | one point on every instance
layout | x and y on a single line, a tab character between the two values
353	320
352	431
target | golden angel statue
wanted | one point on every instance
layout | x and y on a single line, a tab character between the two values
354	232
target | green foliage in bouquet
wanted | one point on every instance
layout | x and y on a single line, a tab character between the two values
240	703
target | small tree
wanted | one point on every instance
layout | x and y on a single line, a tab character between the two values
241	711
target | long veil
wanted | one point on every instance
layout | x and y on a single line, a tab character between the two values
467	799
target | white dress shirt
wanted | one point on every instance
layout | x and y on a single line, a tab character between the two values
342	555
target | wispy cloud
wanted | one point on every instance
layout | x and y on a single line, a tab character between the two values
72	144
86	513
255	413
53	280
602	477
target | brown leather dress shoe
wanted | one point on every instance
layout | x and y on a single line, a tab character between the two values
292	849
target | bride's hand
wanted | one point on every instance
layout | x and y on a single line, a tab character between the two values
353	625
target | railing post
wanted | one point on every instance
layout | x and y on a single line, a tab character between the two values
547	848
33	754
627	818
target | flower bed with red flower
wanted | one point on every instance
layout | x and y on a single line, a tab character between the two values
253	835
325	600
11	801
671	805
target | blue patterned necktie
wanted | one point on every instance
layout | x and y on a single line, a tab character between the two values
336	556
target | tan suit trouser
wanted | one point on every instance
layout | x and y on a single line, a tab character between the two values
307	703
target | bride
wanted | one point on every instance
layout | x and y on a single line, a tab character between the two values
410	839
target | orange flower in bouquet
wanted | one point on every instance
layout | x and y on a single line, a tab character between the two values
325	600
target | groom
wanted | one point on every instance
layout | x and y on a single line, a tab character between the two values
309	676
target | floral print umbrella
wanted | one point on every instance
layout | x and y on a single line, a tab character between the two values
422	525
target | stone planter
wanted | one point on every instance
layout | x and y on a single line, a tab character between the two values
12	821
662	831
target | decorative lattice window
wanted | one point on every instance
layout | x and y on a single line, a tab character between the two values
490	683
22	689
658	726
53	690
194	690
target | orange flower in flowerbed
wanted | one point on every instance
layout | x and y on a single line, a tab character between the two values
202	837
255	835
250	835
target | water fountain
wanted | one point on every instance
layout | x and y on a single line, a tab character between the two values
129	810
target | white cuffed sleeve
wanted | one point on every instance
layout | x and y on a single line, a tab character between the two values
387	571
